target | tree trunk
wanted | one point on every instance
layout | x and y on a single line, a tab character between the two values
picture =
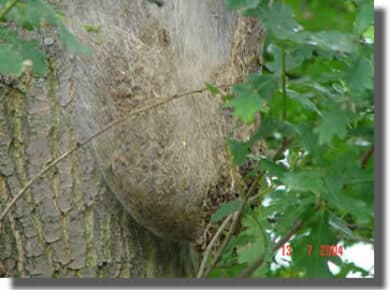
70	223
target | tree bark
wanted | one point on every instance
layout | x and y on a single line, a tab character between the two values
69	223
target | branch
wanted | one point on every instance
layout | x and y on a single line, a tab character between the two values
284	85
366	156
286	143
8	8
89	139
260	260
236	221
211	244
237	218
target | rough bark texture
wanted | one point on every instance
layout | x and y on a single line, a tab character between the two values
158	165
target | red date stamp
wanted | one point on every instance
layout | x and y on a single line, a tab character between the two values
323	251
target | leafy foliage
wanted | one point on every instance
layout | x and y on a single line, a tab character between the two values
226	209
29	15
316	99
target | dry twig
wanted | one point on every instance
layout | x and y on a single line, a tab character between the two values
211	244
89	139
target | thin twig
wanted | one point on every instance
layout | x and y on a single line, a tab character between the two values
254	198
251	200
211	244
8	8
286	143
284	86
254	185
238	213
3	269
236	220
260	260
366	156
89	139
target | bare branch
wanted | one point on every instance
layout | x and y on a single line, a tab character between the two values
260	260
211	244
366	156
98	133
236	220
285	144
8	8
238	213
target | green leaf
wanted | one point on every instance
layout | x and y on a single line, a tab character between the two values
251	97
304	181
365	16
360	76
239	150
212	89
334	122
303	100
315	265
340	226
332	41
246	104
266	85
36	13
253	241
30	50
249	253
338	198
237	4
273	168
71	44
369	34
297	55
10	60
226	209
345	179
228	272
321	71
278	19
91	28
228	255
274	59
307	139
286	207
316	15
33	14
20	50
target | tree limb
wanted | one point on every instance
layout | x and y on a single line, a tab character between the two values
89	139
8	8
366	156
211	244
285	144
260	260
236	220
248	195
